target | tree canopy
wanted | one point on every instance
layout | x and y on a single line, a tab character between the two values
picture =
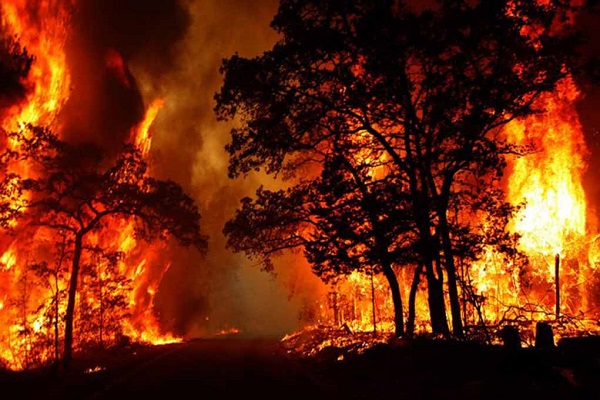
73	195
387	123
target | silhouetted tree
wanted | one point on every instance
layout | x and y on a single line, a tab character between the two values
427	91
76	195
15	63
340	221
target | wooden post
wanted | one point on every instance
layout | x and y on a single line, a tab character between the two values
557	283
544	337
511	337
373	305
333	304
336	316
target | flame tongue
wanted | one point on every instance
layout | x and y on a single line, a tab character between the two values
43	35
550	180
141	134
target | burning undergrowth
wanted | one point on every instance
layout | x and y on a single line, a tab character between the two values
77	270
82	88
327	342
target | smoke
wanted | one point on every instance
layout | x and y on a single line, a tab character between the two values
590	99
123	56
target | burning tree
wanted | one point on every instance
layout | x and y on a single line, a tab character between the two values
408	109
67	194
106	298
69	242
340	219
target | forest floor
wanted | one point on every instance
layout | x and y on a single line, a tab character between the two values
429	368
421	368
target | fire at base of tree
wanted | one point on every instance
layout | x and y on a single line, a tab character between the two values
429	169
358	316
442	159
83	228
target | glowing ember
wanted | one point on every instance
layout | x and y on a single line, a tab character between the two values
94	370
230	331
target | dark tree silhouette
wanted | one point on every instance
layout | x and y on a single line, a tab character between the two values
73	195
429	91
15	63
340	220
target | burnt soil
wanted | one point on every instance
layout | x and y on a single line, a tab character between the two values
416	369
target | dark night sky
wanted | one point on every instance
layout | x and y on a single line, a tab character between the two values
588	107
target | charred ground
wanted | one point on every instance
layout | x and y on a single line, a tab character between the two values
417	369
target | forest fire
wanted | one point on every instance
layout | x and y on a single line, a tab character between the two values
555	224
117	293
406	174
557	234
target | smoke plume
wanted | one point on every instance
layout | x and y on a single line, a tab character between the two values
125	55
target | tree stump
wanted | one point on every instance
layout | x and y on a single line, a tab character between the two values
511	338
544	337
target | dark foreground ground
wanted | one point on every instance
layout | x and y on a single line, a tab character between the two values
243	368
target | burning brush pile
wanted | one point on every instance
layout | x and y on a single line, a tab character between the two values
329	342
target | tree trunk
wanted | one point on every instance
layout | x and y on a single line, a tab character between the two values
70	312
101	319
457	326
435	298
412	299
372	305
390	275
56	320
56	303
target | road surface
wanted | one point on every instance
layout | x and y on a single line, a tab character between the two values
243	368
204	369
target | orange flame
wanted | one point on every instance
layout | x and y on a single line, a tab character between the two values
550	181
141	133
29	304
49	80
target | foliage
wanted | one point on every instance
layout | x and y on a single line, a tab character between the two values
73	196
384	120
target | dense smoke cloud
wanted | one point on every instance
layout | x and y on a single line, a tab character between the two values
123	56
102	108
590	98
